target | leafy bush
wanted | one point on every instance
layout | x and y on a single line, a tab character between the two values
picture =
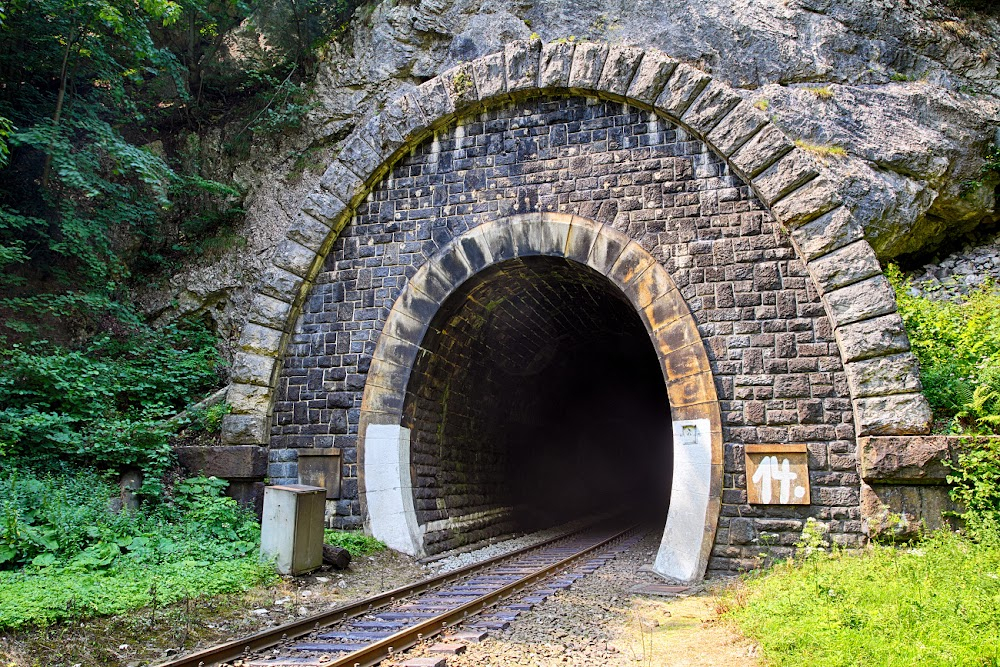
932	605
958	345
77	557
356	542
105	403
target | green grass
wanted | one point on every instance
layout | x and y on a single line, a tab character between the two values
934	604
56	594
356	542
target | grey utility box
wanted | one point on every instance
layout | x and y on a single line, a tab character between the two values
291	529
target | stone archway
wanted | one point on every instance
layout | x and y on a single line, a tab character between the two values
802	198
386	487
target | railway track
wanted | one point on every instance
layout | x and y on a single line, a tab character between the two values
476	597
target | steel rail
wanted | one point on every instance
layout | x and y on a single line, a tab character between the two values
407	637
238	648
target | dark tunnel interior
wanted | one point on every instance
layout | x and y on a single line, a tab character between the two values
537	399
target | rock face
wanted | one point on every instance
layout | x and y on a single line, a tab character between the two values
901	99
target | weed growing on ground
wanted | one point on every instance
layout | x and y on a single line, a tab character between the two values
930	605
356	542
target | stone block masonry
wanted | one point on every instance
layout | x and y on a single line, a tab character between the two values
776	364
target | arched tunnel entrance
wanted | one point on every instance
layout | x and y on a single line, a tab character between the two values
537	398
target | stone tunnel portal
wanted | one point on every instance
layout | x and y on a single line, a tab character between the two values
537	398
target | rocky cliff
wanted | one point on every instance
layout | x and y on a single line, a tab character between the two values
901	99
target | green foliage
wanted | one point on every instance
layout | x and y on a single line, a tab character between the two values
989	169
932	605
107	402
975	485
208	420
78	558
356	542
958	345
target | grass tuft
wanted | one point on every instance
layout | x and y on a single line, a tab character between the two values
356	542
821	150
935	604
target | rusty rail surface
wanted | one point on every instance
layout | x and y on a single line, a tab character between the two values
241	648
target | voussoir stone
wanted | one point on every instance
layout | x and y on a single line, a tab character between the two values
860	301
807	202
588	64
882	376
358	156
324	207
383	133
710	107
619	68
248	399
261	340
491	79
294	257
736	128
652	75
877	337
309	231
404	114
433	98
269	311
250	368
281	283
761	151
461	84
826	233
790	172
341	182
554	64
683	86
898	414
521	64
849	264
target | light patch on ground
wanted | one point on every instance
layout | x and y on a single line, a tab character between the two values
680	632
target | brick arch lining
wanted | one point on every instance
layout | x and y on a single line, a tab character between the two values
386	487
804	200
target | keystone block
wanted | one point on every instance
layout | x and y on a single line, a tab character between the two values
461	84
